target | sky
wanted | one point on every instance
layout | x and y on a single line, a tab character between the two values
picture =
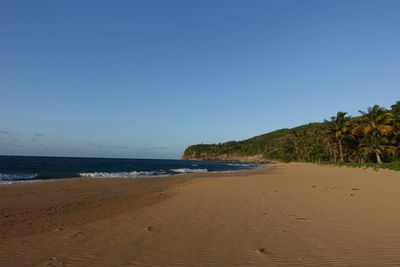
145	79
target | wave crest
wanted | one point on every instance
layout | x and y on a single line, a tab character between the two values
15	177
186	170
133	174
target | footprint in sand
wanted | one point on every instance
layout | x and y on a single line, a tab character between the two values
295	217
301	219
54	262
78	234
327	188
279	229
262	251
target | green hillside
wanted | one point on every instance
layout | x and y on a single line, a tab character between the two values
374	136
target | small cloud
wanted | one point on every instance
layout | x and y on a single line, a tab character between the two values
121	147
38	134
151	149
90	144
15	140
4	132
43	145
160	148
95	145
155	148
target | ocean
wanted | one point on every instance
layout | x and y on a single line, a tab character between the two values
23	169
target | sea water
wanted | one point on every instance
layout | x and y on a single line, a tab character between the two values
23	169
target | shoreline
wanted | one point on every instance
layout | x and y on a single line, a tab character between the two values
38	169
292	214
28	181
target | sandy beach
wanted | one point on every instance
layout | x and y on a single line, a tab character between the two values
289	215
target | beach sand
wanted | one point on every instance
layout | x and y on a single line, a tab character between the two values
289	215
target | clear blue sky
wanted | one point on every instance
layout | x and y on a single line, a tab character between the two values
148	78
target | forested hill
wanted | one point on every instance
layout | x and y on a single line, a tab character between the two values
374	136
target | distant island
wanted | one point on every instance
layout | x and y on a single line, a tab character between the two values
372	137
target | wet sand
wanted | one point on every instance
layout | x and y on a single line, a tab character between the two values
289	215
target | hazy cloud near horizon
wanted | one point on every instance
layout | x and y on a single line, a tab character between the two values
126	147
12	143
14	146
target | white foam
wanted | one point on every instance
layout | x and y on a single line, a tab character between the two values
134	174
238	164
14	177
185	170
18	182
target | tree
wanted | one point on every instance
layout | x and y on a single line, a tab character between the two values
396	108
378	145
375	127
339	127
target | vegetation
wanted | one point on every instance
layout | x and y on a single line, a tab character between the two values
372	137
391	166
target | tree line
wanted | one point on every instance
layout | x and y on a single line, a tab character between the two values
374	136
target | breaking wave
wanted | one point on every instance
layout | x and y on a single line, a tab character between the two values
138	174
186	170
133	174
16	179
238	164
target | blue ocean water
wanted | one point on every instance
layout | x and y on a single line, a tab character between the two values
19	169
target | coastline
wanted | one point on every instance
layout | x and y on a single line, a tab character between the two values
292	214
23	169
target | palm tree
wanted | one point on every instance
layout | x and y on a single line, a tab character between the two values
375	126
339	127
396	108
378	145
396	131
